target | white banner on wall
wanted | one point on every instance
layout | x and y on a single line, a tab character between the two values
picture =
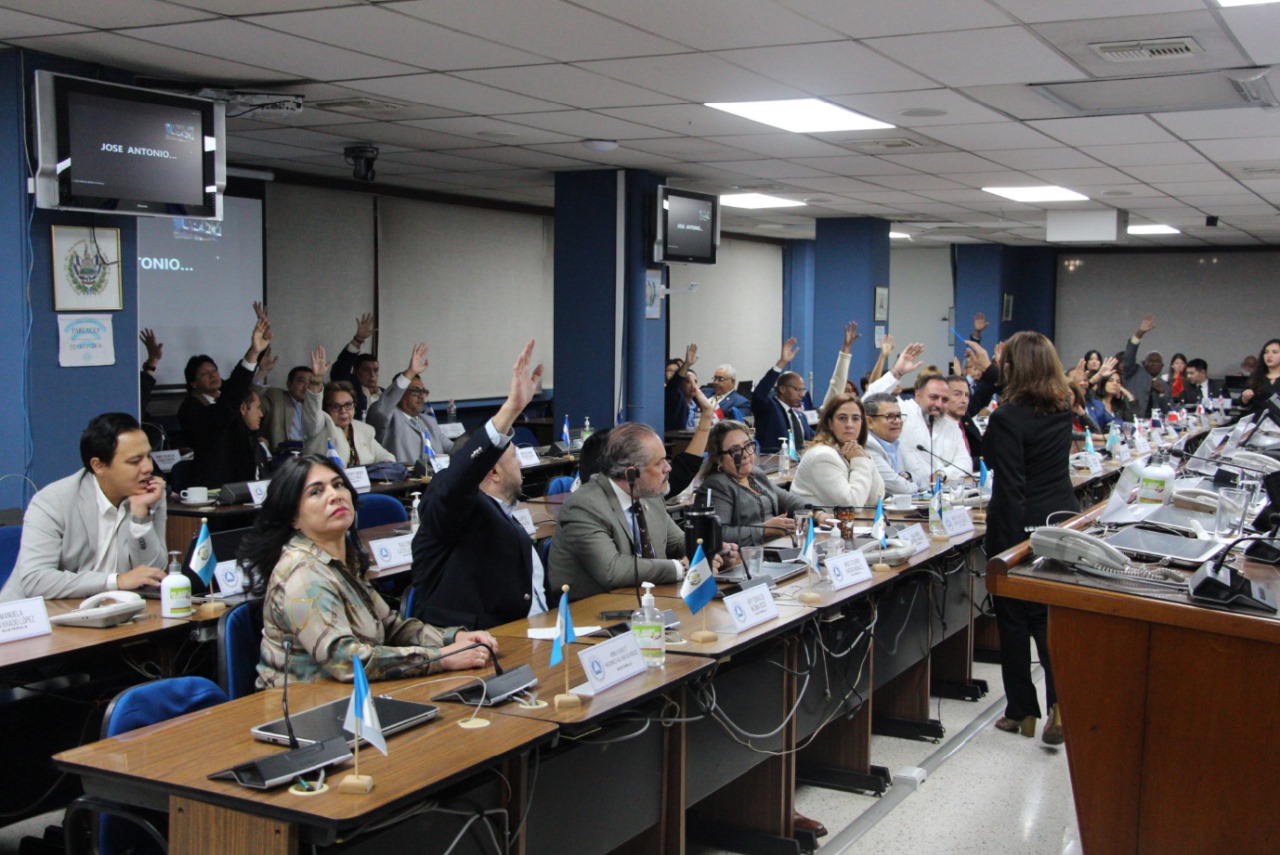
85	341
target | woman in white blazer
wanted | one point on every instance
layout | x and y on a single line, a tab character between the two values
835	469
328	415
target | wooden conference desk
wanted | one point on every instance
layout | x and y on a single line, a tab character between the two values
1170	710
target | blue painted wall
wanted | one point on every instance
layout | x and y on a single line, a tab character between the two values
645	340
979	279
798	260
852	260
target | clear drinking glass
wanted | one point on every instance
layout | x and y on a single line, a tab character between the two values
1232	505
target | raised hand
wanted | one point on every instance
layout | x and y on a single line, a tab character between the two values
1108	367
1147	324
789	350
979	354
319	364
886	345
259	310
690	357
850	336
417	361
979	322
261	339
364	328
155	349
266	361
524	383
909	360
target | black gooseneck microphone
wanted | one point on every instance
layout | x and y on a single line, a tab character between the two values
632	473
287	644
932	456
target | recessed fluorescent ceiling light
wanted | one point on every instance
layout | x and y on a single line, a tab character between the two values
1153	230
801	115
897	235
1245	2
1037	194
758	200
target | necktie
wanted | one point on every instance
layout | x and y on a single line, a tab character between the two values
646	544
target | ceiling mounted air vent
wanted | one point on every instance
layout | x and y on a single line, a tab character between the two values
1260	171
1145	50
884	146
360	106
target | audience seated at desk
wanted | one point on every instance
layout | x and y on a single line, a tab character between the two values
282	408
836	469
400	416
473	563
100	529
329	416
1265	379
680	411
359	369
596	547
924	424
147	376
304	554
724	396
1142	378
1198	388
958	412
777	403
884	426
1110	402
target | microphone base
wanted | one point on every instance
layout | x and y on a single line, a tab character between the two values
356	785
567	700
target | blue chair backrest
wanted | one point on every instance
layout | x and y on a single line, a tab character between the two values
376	509
239	649
10	539
406	604
560	484
160	700
522	436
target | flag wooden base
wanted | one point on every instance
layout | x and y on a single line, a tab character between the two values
567	700
356	785
809	598
880	567
940	538
209	611
705	636
980	517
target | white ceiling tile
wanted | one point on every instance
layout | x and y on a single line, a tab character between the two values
694	77
149	58
624	156
1222	124
301	137
566	84
836	184
915	181
1040	158
1175	172
1145	154
1258	30
482	130
1186	191
399	134
549	28
689	149
977	57
889	106
101	14
1103	130
1074	40
691	119
855	165
19	25
254	7
439	161
516	156
240	145
1252	148
949	162
832	68
767	168
991	137
716	24
863	19
380	31
1035	11
585	124
246	43
1088	175
454	93
782	145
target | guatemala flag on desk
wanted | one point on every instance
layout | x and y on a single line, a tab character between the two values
564	432
564	630
699	585
334	456
877	525
363	711
426	447
203	563
982	474
808	553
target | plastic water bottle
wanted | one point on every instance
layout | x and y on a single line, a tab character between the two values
647	626
784	457
175	590
935	511
414	519
1113	436
586	427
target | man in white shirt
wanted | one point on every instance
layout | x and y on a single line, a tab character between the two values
931	443
101	529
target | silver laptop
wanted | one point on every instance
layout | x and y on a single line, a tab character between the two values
1145	545
325	721
1181	519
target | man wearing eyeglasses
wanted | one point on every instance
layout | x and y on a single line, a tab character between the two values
724	394
782	412
401	416
884	426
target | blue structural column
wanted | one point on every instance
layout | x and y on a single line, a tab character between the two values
851	261
798	257
603	226
979	279
985	274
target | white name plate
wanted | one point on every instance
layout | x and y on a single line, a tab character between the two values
359	478
24	619
1141	443
525	517
527	456
957	521
440	462
914	535
1123	454
750	607
610	662
848	568
230	579
391	552
165	459
1093	460
452	430
258	491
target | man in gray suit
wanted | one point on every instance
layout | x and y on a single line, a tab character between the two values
884	423
282	408
598	537
400	417
101	529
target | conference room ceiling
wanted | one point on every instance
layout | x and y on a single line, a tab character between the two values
490	99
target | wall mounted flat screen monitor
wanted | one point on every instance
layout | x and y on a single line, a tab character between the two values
688	227
124	150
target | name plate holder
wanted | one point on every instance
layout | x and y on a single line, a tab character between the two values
609	663
751	607
439	463
527	456
258	491
230	578
957	522
914	535
525	517
21	619
165	459
452	430
848	568
392	552
359	478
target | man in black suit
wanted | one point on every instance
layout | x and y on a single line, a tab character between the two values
1198	388
784	410
359	369
473	563
958	409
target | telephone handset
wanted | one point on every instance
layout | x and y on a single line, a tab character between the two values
1254	460
1091	555
895	550
103	610
1195	499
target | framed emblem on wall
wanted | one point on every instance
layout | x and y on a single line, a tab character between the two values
86	269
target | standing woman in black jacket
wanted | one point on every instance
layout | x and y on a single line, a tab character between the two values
1028	446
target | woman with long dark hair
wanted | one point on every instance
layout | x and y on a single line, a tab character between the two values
835	468
1265	380
305	556
1028	446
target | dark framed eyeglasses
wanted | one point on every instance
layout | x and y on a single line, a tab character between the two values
744	449
348	407
413	391
888	417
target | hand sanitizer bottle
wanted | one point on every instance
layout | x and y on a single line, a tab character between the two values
586	427
647	625
414	519
936	528
784	457
175	590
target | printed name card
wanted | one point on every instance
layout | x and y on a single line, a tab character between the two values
165	459
957	521
527	456
750	607
389	552
914	535
452	430
258	491
1123	454
610	662
359	478
1093	460
1141	443
440	462
848	568
525	517
230	579
24	619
